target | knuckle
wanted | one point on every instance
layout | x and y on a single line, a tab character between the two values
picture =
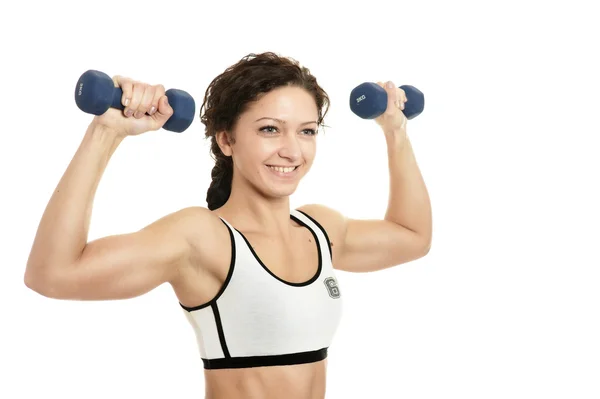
134	104
127	88
134	96
145	106
150	91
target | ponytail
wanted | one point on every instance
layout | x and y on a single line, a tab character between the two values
222	176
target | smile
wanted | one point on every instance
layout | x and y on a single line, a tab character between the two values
282	170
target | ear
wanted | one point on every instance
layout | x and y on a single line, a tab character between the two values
224	140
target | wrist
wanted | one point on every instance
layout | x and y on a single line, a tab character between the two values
103	136
396	139
106	133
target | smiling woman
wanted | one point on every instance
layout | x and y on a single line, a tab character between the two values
255	279
271	107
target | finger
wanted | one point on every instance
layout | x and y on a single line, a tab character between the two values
404	97
392	94
126	86
401	95
136	99
146	102
158	93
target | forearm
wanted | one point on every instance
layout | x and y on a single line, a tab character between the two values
408	204
63	230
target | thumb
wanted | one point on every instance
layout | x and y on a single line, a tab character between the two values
392	95
164	111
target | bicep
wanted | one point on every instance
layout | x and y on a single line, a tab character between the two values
125	265
370	245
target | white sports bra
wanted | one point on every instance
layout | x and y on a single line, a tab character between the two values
258	319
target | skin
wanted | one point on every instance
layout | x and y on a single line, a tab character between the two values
63	264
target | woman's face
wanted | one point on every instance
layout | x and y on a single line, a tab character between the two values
275	141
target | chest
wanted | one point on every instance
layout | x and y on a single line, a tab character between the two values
276	299
277	314
295	262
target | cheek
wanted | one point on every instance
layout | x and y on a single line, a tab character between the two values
262	150
253	156
309	150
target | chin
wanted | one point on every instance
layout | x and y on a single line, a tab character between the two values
280	192
282	183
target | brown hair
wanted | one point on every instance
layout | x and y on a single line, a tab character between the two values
229	94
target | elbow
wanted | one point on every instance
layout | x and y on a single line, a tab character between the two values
425	245
43	284
37	284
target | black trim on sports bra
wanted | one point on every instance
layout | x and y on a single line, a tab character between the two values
261	361
215	310
227	279
322	231
301	284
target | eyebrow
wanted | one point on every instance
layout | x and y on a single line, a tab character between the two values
282	121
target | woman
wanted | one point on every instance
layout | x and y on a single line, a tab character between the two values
254	277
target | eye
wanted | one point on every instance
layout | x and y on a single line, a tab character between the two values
267	129
273	129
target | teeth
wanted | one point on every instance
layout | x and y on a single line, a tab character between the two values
282	169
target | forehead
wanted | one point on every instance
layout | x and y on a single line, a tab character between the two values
288	103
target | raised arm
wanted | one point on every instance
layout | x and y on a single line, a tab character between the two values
62	263
404	233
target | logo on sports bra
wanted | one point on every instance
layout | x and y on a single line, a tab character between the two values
332	287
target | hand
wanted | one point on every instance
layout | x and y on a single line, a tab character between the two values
393	119
146	109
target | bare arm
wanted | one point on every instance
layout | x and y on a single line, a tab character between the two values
404	234
63	230
62	264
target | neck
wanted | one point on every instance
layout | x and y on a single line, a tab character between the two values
253	211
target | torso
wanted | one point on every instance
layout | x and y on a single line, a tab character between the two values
294	262
302	381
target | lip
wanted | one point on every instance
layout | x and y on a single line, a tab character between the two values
282	175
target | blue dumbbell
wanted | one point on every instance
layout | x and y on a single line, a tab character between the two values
369	100
95	93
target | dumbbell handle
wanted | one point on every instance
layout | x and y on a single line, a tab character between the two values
117	99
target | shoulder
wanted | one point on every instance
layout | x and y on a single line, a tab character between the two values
203	230
193	220
331	220
324	214
208	239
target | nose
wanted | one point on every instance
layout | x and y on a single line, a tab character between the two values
290	148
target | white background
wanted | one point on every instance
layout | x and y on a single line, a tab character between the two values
506	304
